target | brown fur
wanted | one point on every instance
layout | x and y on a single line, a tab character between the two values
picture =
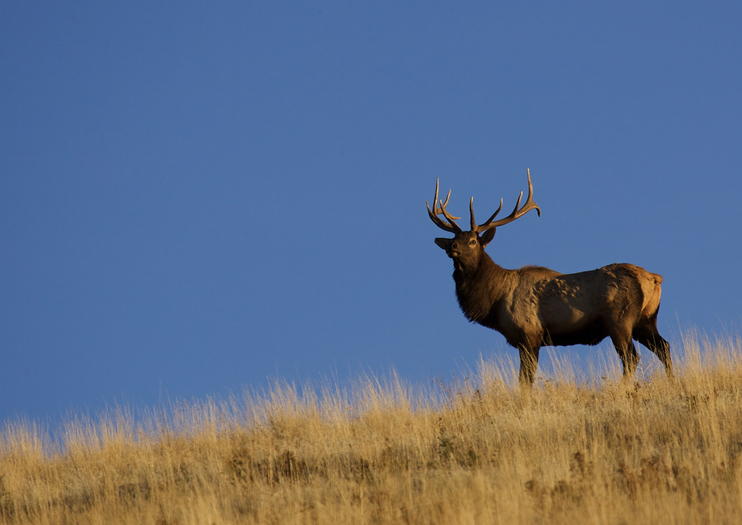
535	306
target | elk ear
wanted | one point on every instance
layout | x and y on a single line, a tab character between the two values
487	237
442	242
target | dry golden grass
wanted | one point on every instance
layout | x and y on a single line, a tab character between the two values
656	451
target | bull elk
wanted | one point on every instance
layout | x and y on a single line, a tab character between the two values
535	306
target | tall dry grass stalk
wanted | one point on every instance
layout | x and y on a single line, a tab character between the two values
656	451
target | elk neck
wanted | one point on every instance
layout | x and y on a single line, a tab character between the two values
479	290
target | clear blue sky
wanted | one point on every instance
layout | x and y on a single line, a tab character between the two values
198	196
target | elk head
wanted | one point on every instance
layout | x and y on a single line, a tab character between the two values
467	247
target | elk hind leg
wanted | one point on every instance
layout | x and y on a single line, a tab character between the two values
649	336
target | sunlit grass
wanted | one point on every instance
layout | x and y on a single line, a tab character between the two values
477	451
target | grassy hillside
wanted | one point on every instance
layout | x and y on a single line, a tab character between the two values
656	451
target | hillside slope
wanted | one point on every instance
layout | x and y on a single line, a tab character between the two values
656	451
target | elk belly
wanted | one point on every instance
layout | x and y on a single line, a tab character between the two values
564	320
565	324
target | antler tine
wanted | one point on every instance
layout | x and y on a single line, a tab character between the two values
472	220
437	221
485	223
443	204
517	203
450	218
517	212
440	207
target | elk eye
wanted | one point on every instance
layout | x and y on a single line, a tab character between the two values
472	242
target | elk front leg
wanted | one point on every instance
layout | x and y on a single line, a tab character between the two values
627	352
528	364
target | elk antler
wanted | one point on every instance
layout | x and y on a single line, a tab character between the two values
474	226
439	207
515	214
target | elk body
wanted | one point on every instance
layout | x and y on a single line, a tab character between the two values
535	306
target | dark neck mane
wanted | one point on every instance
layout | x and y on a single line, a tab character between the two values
480	289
